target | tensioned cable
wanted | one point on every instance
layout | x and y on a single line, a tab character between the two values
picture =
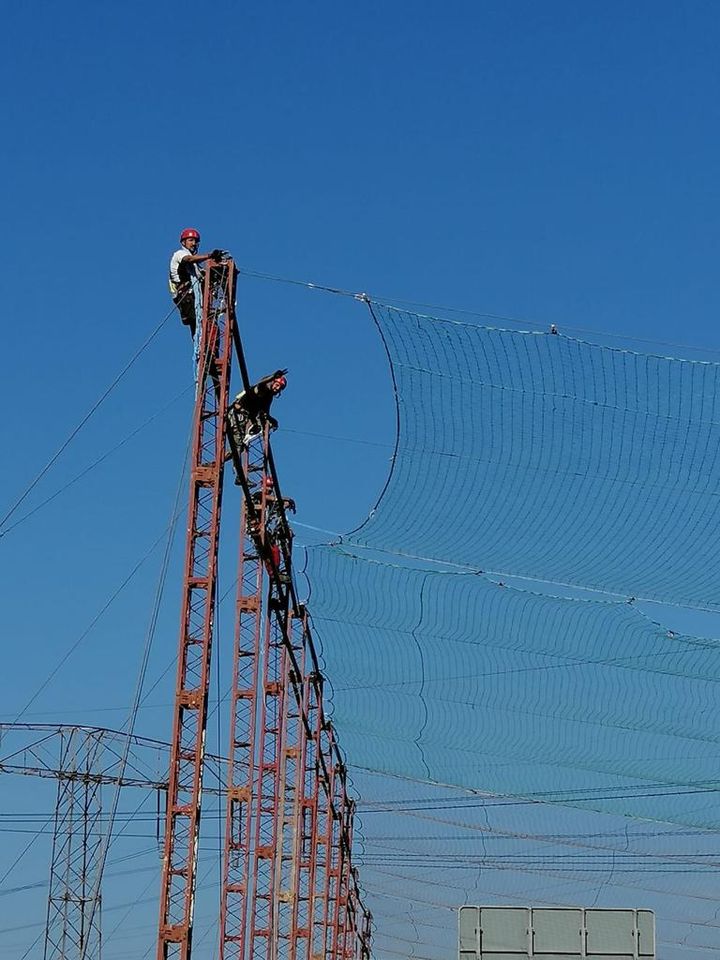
400	303
468	836
26	848
562	862
564	839
32	946
106	909
74	432
132	716
108	936
469	828
125	582
116	593
327	436
502	575
472	798
130	724
173	663
201	880
95	463
540	798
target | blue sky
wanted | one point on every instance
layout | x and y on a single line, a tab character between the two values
556	162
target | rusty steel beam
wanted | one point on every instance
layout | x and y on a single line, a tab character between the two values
250	465
289	890
182	826
305	866
344	927
267	808
290	794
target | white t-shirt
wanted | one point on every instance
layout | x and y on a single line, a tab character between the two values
175	261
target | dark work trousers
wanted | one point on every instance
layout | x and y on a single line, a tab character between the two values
185	302
238	421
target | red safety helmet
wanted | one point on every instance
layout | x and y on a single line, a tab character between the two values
280	381
189	234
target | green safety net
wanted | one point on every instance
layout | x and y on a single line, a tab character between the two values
524	722
547	457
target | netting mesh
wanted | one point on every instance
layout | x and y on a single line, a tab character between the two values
548	457
454	679
509	744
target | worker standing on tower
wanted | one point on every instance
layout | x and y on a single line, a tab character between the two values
185	278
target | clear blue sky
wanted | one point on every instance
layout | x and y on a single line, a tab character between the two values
553	161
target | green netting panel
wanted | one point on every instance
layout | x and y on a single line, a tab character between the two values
510	746
429	848
544	456
452	678
575	743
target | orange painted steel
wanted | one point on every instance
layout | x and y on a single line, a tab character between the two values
182	826
289	887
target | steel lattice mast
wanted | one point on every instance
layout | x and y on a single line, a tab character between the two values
289	888
72	928
257	768
292	772
182	826
289	891
267	807
243	709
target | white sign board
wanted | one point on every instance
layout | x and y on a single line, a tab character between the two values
555	933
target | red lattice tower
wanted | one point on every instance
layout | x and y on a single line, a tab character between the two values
261	770
289	891
244	705
294	743
305	866
182	827
268	798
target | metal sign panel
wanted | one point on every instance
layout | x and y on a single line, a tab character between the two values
555	933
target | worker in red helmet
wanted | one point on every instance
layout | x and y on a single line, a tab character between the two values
268	489
254	404
251	408
184	277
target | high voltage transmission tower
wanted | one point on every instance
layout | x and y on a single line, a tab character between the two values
73	919
289	889
83	760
